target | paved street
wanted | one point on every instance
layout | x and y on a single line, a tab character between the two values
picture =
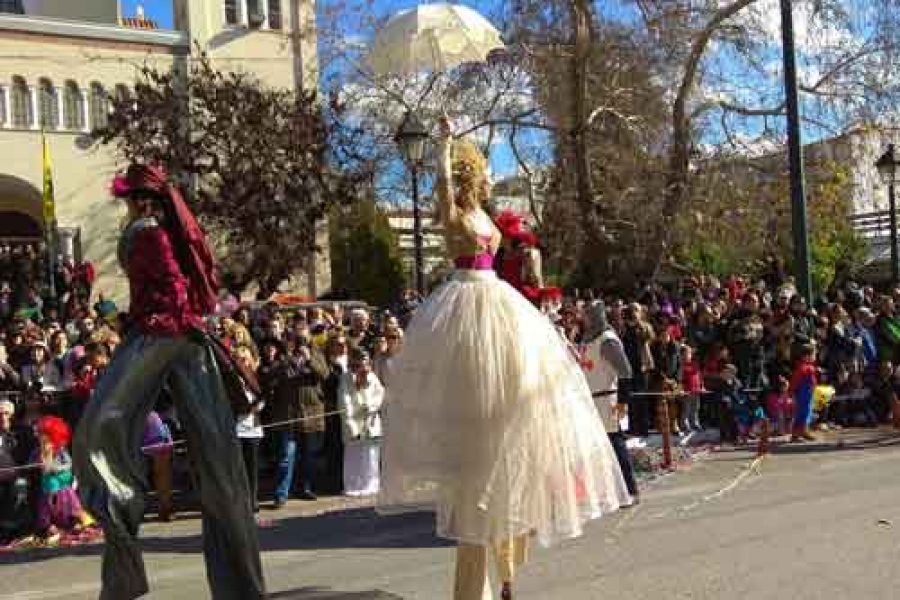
812	522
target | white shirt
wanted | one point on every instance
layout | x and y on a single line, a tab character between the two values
604	377
362	408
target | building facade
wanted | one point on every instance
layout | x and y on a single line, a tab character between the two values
434	256
62	61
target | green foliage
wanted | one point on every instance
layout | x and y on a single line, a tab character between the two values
742	215
365	256
835	246
711	258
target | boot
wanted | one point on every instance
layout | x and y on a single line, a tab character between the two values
506	591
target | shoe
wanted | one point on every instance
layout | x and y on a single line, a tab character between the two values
51	537
166	514
308	495
279	503
506	591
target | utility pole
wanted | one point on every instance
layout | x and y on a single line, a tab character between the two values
795	156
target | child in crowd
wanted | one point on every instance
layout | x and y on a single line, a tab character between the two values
780	406
58	503
730	397
157	445
884	394
361	396
803	384
692	382
860	409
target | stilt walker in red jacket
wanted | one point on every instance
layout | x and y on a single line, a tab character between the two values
173	284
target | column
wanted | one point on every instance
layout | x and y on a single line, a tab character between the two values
264	7
7	107
85	109
35	107
61	103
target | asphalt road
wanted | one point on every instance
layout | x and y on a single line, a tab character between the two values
814	522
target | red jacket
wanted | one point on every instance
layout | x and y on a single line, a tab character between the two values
159	290
83	385
691	378
804	377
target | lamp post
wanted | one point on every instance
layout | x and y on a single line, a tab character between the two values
411	137
889	169
795	155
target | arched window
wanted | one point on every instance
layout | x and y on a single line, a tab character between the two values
48	101
233	12
99	106
122	92
74	103
20	98
274	14
12	6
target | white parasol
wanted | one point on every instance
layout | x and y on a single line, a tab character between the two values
432	37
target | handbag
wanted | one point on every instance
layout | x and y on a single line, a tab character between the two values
235	381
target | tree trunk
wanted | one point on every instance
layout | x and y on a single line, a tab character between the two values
582	19
680	151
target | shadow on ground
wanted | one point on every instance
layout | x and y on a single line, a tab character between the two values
356	528
326	594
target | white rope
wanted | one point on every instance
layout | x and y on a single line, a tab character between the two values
36	466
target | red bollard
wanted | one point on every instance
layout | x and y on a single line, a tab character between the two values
763	447
662	416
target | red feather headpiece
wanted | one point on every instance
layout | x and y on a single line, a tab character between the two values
509	223
56	430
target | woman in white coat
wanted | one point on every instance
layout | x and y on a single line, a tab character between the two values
361	395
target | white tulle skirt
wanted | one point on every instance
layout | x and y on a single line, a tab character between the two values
490	423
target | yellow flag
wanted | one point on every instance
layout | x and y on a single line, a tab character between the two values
49	201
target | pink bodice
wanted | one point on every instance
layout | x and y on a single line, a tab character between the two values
483	261
477	262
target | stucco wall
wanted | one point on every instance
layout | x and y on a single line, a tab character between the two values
81	176
280	58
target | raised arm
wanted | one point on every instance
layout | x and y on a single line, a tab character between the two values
446	204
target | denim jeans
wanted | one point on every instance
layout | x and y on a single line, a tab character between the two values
285	455
286	448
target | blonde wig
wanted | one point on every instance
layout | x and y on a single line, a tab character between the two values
470	175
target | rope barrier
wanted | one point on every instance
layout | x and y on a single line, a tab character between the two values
36	466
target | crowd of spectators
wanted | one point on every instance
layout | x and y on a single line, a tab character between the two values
317	376
730	355
737	354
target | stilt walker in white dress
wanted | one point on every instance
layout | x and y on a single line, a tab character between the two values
489	420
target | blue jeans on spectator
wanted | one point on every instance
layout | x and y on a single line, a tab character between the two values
286	447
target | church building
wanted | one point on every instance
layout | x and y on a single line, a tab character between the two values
61	62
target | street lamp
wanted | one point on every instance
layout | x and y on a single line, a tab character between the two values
889	170
411	137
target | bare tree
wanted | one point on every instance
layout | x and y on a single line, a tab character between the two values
256	162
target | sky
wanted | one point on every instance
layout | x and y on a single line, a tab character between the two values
158	10
502	160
